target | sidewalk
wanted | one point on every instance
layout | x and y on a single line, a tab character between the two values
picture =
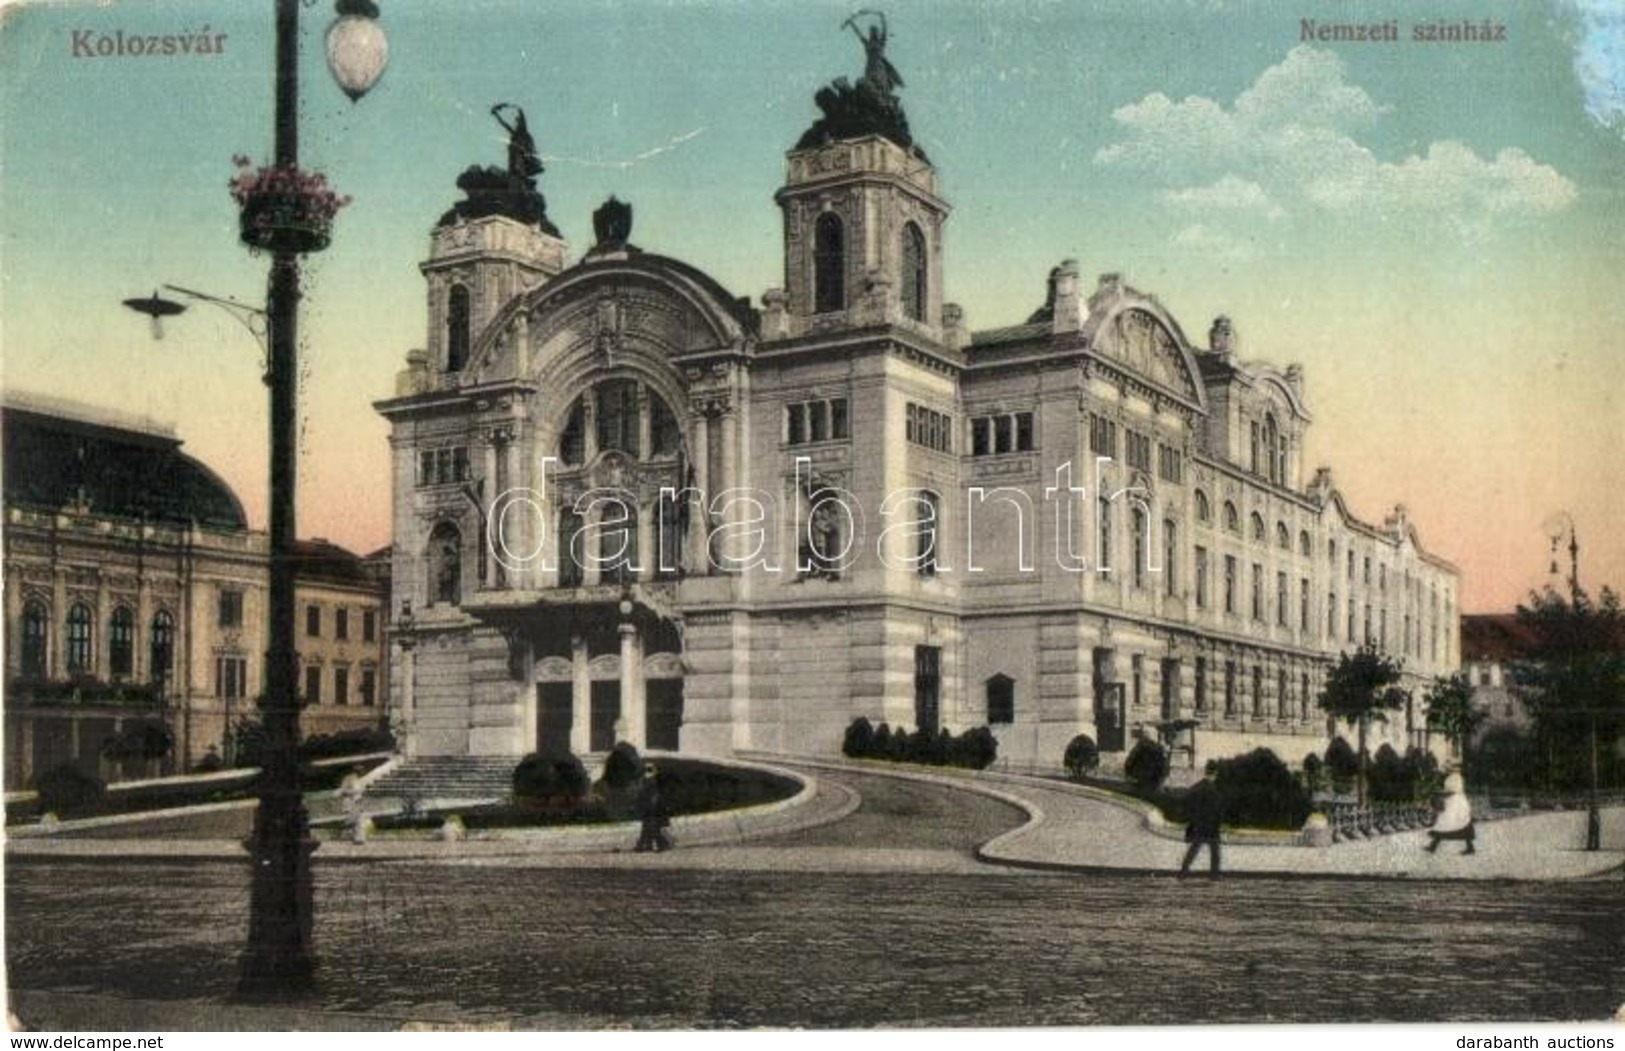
1069	828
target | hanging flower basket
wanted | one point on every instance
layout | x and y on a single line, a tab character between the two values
284	209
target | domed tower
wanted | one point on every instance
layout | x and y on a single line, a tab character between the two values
489	247
862	219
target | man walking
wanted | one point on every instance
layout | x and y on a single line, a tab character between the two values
1204	813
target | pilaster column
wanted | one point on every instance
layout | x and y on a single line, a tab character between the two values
699	519
494	472
589	427
727	423
633	708
580	698
648	550
644	448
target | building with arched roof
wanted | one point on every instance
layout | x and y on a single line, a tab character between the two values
631	505
135	597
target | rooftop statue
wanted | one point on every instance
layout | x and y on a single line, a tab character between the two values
509	191
869	107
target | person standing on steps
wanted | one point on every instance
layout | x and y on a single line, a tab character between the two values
1204	813
652	817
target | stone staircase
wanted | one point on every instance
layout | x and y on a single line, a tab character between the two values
437	780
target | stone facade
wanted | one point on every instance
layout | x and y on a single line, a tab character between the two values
622	514
135	592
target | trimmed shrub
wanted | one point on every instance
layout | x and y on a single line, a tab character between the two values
976	748
1396	779
1146	765
348	742
1082	756
1342	763
67	788
880	747
549	782
1314	772
1260	792
860	739
623	766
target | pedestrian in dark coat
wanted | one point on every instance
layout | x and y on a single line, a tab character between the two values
1204	811
652	817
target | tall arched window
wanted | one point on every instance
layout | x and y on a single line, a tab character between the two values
79	638
617	540
1142	527
914	275
1001	699
928	525
121	642
163	648
571	555
829	264
1274	451
1204	511
1231	522
618	416
457	328
446	563
36	626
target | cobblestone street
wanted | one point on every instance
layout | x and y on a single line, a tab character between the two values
674	943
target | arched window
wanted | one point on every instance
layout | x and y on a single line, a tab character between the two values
79	639
618	416
928	527
121	642
1001	699
617	540
829	264
1142	527
914	275
1231	521
1304	547
1204	510
1283	537
36	628
573	442
457	328
571	552
446	564
163	648
1256	521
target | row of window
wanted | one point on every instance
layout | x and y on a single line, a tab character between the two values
618	412
927	427
829	268
1005	432
443	466
1137	449
366	691
341	623
1000	692
820	420
79	651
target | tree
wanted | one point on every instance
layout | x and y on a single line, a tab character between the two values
1574	669
1451	710
1361	687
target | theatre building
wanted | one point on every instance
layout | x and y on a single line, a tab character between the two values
629	504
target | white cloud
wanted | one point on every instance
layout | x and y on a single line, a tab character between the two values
1209	241
1287	145
1229	194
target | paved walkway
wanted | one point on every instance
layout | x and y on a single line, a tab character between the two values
1069	827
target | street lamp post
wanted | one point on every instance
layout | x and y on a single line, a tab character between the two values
278	958
284	215
1557	526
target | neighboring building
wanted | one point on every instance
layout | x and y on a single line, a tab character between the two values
339	629
663	469
135	592
1490	644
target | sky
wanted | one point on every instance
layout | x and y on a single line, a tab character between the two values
1435	231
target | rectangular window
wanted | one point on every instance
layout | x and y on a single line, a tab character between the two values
369	686
981	435
231	609
230	677
1258	591
313	621
313	684
815	421
1170	465
1282	603
369	626
341	685
1024	432
1331	615
1102	437
1170	553
1138	450
1229	583
1003	439
1230	687
1303	605
1201	684
341	623
1006	432
1258	691
927	427
1201	578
